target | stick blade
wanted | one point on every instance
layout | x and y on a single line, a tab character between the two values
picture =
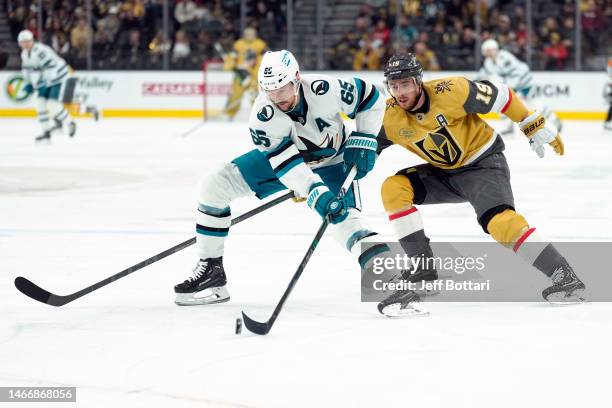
254	326
31	290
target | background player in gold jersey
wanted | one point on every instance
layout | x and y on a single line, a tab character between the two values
244	61
438	121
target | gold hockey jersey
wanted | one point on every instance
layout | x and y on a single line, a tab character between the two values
447	131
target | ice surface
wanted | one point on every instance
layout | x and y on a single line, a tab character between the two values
76	211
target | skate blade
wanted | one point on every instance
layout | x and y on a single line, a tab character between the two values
206	297
427	293
395	311
577	297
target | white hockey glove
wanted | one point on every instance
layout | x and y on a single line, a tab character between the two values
541	132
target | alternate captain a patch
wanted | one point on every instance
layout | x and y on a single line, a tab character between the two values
440	147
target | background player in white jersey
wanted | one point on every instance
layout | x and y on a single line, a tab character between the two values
46	72
607	93
503	66
302	145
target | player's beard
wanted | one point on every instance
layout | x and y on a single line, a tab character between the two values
291	105
414	103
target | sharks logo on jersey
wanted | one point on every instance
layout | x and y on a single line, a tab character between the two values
266	113
315	153
319	87
312	134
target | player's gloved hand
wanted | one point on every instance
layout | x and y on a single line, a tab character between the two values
297	199
28	89
325	203
541	132
360	151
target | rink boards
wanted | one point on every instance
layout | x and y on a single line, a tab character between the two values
141	94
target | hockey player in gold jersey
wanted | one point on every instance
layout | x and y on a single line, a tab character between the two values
244	60
438	121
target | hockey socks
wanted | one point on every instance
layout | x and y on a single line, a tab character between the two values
212	227
566	288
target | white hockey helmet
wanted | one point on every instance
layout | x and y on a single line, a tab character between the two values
489	44
277	69
25	35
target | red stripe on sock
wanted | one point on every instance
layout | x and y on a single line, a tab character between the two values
507	103
402	213
522	239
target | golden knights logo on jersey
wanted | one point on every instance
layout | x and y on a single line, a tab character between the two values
443	86
440	147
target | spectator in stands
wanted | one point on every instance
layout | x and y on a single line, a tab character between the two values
342	53
426	57
381	37
60	43
189	14
103	44
80	37
181	49
157	47
408	32
202	49
368	56
592	25
132	51
556	53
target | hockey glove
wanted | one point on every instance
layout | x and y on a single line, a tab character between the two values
28	89
541	132
325	203
360	151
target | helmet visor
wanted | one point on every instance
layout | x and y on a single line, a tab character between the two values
283	97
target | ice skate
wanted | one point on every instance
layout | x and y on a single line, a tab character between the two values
567	289
402	303
71	129
45	137
206	286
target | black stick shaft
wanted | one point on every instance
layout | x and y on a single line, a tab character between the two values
35	292
298	273
180	246
263	328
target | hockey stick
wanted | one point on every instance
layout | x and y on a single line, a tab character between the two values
263	328
35	292
193	129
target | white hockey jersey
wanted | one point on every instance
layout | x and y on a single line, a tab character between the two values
313	135
41	66
512	71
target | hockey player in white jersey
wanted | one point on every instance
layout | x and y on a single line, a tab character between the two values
302	145
46	72
607	94
503	66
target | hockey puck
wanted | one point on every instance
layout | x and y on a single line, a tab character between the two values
238	325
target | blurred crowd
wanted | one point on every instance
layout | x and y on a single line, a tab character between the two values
442	33
129	34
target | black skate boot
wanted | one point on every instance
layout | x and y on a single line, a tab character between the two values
206	286
402	303
44	137
421	252
567	289
71	129
425	272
